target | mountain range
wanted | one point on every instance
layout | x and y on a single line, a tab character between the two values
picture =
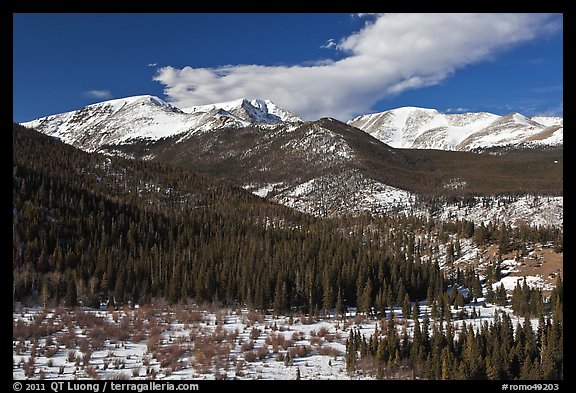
421	128
147	117
399	160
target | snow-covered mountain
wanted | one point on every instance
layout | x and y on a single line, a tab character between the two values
133	119
327	167
255	111
422	128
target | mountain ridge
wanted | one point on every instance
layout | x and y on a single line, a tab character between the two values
425	128
323	167
148	117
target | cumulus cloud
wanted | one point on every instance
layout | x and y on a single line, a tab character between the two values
392	53
100	94
331	43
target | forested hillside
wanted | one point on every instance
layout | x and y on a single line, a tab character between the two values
92	228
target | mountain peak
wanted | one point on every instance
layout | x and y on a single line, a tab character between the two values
253	111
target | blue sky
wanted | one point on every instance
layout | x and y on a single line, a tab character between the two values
338	65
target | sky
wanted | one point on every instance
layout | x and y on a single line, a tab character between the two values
316	65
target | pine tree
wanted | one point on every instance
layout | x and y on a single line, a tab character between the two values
71	295
351	352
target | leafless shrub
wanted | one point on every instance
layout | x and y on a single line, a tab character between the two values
83	344
219	334
117	333
20	331
20	348
97	337
86	357
71	356
254	316
280	356
153	342
168	356
232	336
138	336
205	350
189	317
136	371
262	352
87	320
307	320
69	339
240	364
92	372
168	318
299	351
297	336
250	356
119	363
33	350
247	346
277	341
151	375
29	367
118	376
328	351
220	316
323	332
255	333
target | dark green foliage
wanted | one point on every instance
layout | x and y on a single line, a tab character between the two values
527	301
496	351
133	231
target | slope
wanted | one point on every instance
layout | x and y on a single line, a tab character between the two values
89	229
422	128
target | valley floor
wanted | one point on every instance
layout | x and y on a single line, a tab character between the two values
192	342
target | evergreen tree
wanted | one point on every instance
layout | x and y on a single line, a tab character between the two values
71	295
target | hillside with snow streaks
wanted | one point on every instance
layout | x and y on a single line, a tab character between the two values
422	128
530	209
351	192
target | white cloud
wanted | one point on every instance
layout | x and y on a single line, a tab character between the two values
152	64
100	94
390	54
457	110
331	43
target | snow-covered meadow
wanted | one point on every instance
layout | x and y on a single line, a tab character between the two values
191	342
